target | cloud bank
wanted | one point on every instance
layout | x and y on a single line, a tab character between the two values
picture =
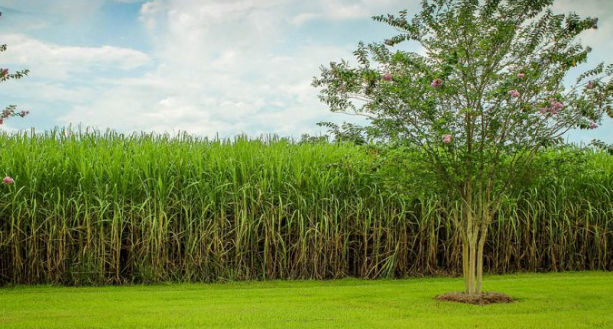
211	67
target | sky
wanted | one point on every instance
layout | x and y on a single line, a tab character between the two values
205	67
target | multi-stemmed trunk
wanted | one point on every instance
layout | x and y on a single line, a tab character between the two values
474	224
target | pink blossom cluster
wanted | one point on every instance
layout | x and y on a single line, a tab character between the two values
514	93
447	139
521	75
553	108
10	112
593	125
4	72
387	77
590	84
7	180
436	83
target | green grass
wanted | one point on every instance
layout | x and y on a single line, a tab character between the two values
555	300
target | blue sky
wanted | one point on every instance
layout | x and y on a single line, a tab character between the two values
206	67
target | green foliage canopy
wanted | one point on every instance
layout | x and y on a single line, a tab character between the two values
490	83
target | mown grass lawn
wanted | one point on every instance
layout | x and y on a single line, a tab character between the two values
555	300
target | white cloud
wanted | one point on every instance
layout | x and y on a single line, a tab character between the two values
60	62
340	10
302	18
219	71
276	98
149	13
69	9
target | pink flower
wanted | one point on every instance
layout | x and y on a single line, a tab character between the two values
387	77
436	83
4	72
590	84
543	110
8	180
446	139
514	93
521	75
593	125
24	113
555	106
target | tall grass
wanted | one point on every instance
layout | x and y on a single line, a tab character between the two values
101	208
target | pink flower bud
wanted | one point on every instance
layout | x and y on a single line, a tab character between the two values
555	105
590	84
387	77
521	75
446	139
514	93
593	125
4	72
24	113
436	83
8	180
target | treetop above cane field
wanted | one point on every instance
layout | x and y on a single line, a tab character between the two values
488	94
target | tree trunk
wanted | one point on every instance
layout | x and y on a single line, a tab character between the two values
476	214
474	234
465	259
480	247
472	246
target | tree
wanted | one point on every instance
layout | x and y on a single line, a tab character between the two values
5	75
10	110
486	95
